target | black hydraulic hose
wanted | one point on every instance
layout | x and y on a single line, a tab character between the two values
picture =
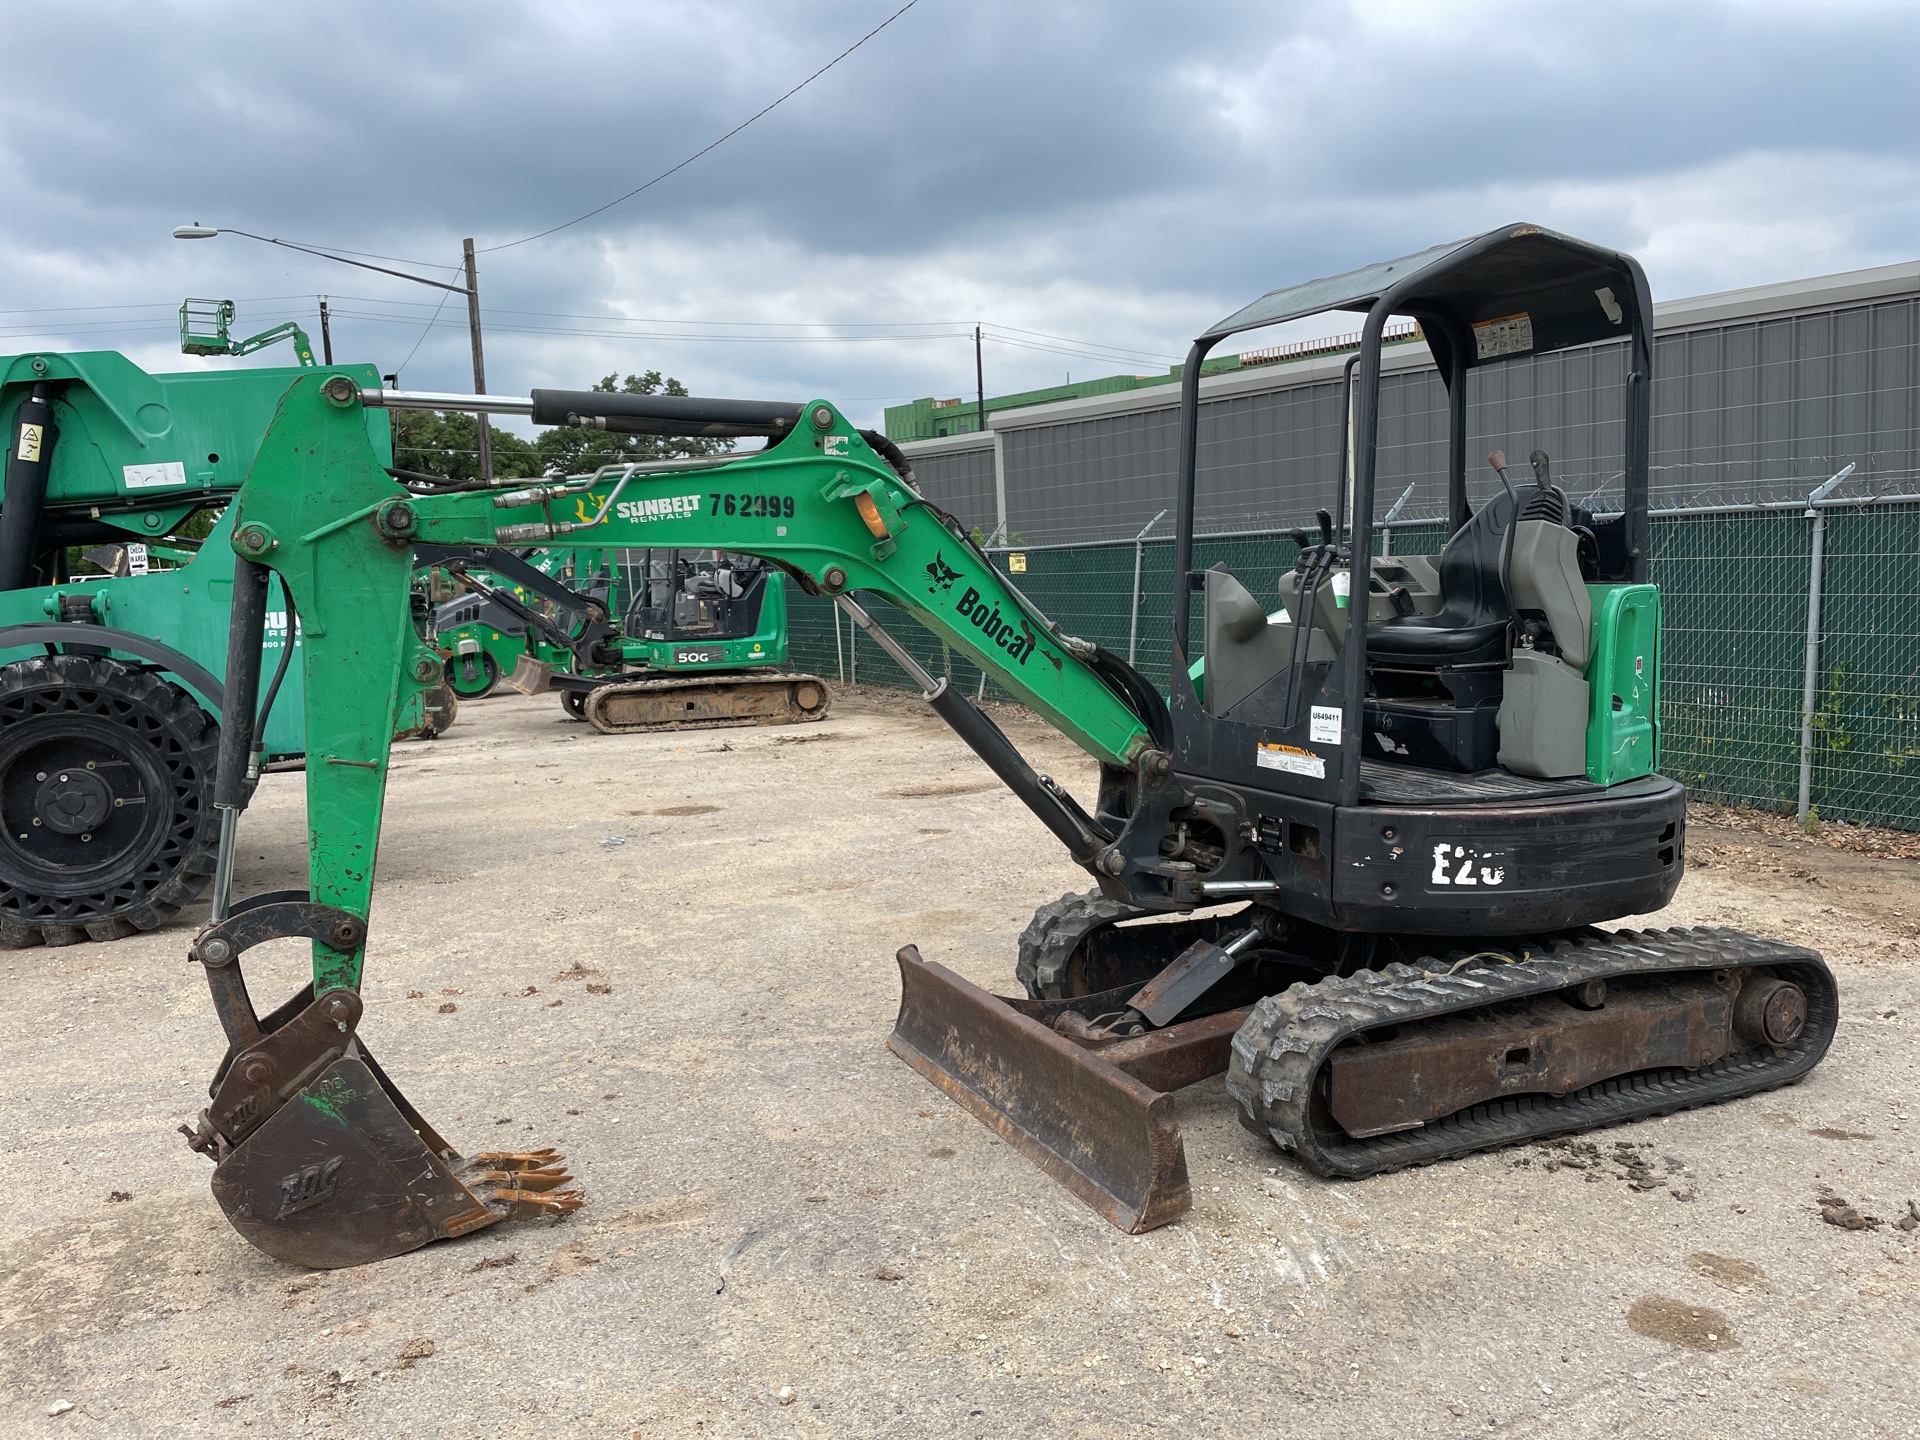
246	629
280	670
439	484
893	455
29	467
1136	692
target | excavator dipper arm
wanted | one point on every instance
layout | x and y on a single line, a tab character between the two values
321	1160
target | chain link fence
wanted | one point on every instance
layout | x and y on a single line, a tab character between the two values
1735	588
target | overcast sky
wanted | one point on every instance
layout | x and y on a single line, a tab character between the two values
1115	173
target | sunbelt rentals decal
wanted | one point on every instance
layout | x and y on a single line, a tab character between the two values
662	507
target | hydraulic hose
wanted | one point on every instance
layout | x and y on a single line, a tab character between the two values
279	671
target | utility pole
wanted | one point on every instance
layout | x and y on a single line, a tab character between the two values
479	360
326	332
979	378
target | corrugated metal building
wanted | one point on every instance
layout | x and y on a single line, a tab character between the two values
1761	394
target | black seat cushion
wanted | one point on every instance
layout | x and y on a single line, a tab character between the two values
1471	625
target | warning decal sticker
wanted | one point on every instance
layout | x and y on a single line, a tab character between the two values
1508	335
1290	758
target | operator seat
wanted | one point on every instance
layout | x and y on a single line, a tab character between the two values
1472	624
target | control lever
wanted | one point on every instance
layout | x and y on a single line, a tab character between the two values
1325	520
1540	465
1498	460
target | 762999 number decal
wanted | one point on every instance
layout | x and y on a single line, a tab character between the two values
777	507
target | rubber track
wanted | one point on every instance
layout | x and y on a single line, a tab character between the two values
1055	932
696	682
1279	1051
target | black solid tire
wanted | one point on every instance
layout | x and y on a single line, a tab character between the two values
574	702
151	752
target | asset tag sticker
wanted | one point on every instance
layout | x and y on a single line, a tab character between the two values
1508	335
154	477
1290	758
1323	728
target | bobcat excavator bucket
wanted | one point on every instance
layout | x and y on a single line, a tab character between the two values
319	1159
1096	1116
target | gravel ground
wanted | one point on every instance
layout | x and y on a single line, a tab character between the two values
779	1210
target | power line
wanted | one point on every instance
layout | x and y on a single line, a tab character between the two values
425	330
568	224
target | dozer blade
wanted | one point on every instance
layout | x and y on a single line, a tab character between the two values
531	676
346	1172
1089	1118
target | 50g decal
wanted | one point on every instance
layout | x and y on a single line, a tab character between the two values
776	507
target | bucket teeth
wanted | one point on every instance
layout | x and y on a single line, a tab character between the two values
517	1159
533	1205
549	1179
521	1185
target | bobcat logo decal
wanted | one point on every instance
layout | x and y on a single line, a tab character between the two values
940	573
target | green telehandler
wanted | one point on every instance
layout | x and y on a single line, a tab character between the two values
111	683
1375	838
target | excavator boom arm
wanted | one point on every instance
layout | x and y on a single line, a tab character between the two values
319	510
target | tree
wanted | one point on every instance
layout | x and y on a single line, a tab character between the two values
448	443
566	451
433	442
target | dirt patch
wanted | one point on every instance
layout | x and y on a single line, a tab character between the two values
1675	1322
1833	834
1634	1162
947	787
1729	1272
688	810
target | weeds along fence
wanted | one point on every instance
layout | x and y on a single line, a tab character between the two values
1737	588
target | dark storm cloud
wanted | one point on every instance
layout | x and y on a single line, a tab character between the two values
1116	172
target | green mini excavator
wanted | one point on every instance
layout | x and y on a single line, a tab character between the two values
1372	840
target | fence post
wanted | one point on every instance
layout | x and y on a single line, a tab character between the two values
1386	523
1133	609
1810	682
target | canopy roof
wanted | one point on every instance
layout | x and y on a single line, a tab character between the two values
1518	290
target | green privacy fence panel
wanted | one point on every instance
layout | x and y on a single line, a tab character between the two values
1734	596
1866	752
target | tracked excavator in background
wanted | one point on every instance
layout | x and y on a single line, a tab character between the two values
1357	864
631	640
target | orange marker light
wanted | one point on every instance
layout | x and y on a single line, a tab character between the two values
870	513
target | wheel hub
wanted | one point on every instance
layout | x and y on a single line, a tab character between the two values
72	801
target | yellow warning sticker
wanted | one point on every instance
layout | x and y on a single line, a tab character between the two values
1017	563
1291	758
30	438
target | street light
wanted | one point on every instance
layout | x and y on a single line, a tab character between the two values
471	290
